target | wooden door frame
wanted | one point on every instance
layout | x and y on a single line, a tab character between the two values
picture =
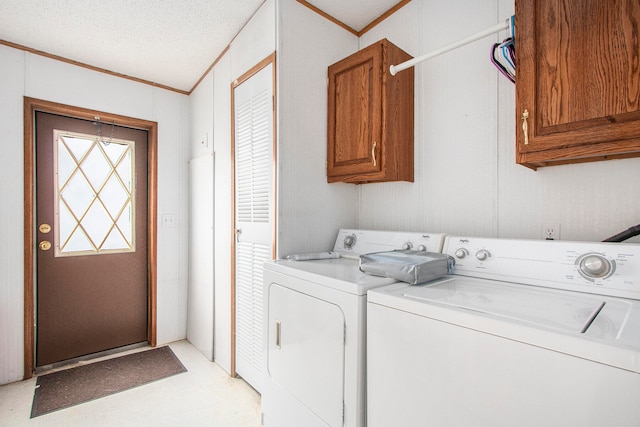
31	105
271	59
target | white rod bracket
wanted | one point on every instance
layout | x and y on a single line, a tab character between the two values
506	25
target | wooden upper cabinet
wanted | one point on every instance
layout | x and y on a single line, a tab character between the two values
578	80
370	117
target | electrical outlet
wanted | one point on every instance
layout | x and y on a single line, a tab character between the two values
550	231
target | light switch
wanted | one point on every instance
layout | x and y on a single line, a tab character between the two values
205	140
168	220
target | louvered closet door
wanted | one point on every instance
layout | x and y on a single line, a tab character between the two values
253	121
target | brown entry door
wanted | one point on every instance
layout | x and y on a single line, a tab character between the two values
91	196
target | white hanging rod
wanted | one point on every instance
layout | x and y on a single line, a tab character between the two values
506	25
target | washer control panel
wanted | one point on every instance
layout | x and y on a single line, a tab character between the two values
595	267
358	242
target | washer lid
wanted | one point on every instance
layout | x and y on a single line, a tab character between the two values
551	319
564	311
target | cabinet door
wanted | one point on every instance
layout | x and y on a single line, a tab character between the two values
354	122
578	81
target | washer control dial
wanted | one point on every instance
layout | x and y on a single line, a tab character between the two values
483	254
595	266
407	246
422	248
461	253
349	241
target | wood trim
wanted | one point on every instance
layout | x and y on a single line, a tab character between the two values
384	16
271	59
90	67
232	367
226	49
152	233
32	105
29	239
367	28
274	160
254	70
329	17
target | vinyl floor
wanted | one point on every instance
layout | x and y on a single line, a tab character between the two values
205	395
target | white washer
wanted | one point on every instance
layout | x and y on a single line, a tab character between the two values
315	312
524	333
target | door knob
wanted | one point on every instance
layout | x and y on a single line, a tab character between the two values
45	245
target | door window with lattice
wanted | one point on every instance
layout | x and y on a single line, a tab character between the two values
94	187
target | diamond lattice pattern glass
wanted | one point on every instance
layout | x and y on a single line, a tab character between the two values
94	195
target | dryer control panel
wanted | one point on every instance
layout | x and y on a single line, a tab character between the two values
359	242
594	267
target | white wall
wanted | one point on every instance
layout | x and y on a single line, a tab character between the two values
466	178
210	106
201	297
310	211
11	226
467	181
25	74
201	118
223	224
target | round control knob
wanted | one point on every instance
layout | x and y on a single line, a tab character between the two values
461	253
595	266
482	254
349	241
407	246
422	248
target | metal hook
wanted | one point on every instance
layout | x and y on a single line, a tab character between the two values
98	125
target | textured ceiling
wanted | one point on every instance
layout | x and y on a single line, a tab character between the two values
168	42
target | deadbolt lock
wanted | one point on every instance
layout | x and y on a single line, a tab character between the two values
44	228
45	245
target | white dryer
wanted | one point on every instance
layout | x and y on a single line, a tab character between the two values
315	317
524	333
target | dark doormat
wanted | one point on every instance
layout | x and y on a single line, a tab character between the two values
73	386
